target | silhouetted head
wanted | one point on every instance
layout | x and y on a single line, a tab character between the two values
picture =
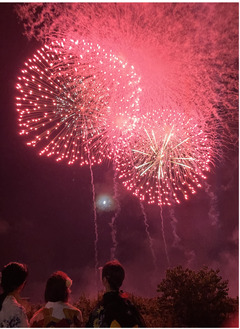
13	276
58	287
114	273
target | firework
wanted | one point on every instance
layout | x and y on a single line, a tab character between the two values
71	93
193	69
166	160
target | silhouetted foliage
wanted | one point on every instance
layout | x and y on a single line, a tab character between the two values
194	298
149	309
188	299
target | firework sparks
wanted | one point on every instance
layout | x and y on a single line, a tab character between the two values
69	93
167	158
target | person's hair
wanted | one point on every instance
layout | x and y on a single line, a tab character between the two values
57	287
114	273
13	276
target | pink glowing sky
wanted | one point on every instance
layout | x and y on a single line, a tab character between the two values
46	217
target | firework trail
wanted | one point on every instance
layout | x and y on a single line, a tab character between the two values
189	254
95	220
163	235
213	213
150	240
174	227
117	212
94	217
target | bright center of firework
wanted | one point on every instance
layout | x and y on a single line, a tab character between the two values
162	155
104	202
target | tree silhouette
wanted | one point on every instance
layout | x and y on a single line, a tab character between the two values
194	298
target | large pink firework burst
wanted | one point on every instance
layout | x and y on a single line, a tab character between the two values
167	159
194	68
71	94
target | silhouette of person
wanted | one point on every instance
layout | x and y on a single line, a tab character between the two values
114	310
13	279
57	312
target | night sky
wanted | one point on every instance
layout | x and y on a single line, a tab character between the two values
46	208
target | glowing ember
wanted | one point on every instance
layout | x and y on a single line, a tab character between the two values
166	159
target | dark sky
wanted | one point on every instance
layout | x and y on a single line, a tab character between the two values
46	209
